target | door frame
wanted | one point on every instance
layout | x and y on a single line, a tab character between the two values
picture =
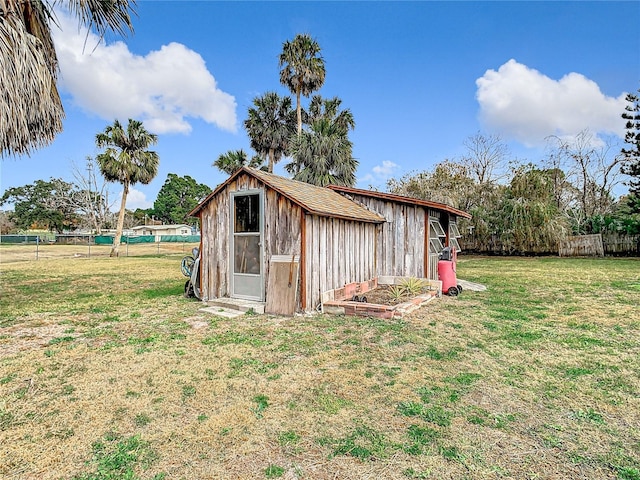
232	238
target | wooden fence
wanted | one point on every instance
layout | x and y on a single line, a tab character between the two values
582	246
621	245
612	244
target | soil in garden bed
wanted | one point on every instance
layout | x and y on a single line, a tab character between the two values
382	296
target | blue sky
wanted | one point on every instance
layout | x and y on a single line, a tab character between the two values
419	78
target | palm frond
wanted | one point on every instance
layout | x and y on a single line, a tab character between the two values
31	111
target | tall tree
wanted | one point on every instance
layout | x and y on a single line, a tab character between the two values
486	157
177	197
449	182
31	111
323	155
529	218
234	160
594	170
631	155
329	109
42	204
92	196
128	161
302	69
270	124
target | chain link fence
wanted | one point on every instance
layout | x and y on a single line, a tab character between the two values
19	248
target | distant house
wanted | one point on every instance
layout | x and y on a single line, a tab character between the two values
161	230
334	236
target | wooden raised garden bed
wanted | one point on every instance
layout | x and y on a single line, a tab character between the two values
397	296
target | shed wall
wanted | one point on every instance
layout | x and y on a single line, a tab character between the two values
337	252
401	240
282	230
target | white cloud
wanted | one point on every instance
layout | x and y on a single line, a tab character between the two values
521	103
162	88
135	199
379	174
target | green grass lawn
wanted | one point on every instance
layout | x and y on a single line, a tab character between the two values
107	372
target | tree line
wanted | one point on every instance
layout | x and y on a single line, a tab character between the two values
527	208
85	203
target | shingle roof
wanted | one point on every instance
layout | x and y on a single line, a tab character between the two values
315	200
401	199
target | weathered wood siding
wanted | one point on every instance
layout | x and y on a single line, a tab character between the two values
401	240
337	252
281	234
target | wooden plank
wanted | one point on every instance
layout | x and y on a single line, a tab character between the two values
338	246
222	265
425	245
332	260
390	241
399	240
303	260
325	255
282	286
315	263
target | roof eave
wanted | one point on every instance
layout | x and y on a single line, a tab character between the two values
196	211
401	199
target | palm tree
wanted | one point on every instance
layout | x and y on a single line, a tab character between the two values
323	156
303	69
234	160
127	161
330	109
31	111
270	124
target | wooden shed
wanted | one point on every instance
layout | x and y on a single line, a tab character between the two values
275	240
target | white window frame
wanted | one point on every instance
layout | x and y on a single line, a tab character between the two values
435	245
454	235
436	233
453	242
434	223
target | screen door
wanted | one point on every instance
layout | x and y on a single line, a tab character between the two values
246	245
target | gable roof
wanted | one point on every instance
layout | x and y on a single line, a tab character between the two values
314	200
401	199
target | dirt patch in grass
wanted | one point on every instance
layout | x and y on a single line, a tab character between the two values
197	323
19	338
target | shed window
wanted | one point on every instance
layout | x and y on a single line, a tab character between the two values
247	209
454	235
436	236
435	245
436	228
453	242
